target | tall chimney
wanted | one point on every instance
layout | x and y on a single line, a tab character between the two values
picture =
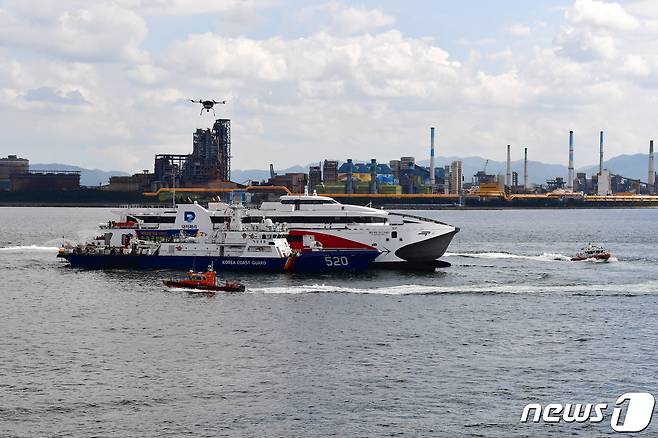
525	169
432	181
349	186
571	175
508	179
652	172
600	152
373	176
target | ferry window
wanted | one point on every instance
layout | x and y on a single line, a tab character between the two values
394	234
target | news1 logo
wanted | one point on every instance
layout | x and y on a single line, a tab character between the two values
638	412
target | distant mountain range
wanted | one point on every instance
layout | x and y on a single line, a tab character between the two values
631	166
88	177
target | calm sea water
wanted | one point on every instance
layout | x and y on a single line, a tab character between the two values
454	353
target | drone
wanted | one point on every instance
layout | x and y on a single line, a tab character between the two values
208	105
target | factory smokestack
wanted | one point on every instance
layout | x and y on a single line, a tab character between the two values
571	175
432	180
652	172
525	169
373	176
508	178
349	185
600	152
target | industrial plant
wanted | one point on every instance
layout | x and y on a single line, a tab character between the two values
16	176
403	181
205	173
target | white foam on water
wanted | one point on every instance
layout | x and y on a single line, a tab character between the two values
29	248
506	255
650	287
59	242
321	288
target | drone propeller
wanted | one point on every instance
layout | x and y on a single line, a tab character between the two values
223	102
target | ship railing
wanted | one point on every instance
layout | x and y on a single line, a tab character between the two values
257	227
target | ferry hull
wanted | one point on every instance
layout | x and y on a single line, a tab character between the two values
426	252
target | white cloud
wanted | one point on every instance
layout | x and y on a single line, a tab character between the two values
192	7
644	8
593	30
354	20
47	94
601	14
586	44
347	85
346	20
386	64
636	65
82	32
519	30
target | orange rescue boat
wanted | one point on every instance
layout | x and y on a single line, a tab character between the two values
205	282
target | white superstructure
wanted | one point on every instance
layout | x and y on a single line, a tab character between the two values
402	239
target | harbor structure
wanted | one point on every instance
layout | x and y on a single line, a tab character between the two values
349	183
432	172
600	152
570	176
604	183
139	182
373	176
208	164
525	168
45	181
330	171
9	166
456	178
296	182
651	180
508	174
314	177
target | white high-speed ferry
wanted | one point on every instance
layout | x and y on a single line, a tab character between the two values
404	241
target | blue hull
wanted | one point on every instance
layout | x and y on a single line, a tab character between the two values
319	261
334	260
87	261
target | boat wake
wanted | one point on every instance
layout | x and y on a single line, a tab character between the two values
506	255
29	248
647	288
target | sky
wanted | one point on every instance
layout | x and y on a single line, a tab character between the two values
104	84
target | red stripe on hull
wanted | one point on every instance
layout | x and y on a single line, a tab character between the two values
328	241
